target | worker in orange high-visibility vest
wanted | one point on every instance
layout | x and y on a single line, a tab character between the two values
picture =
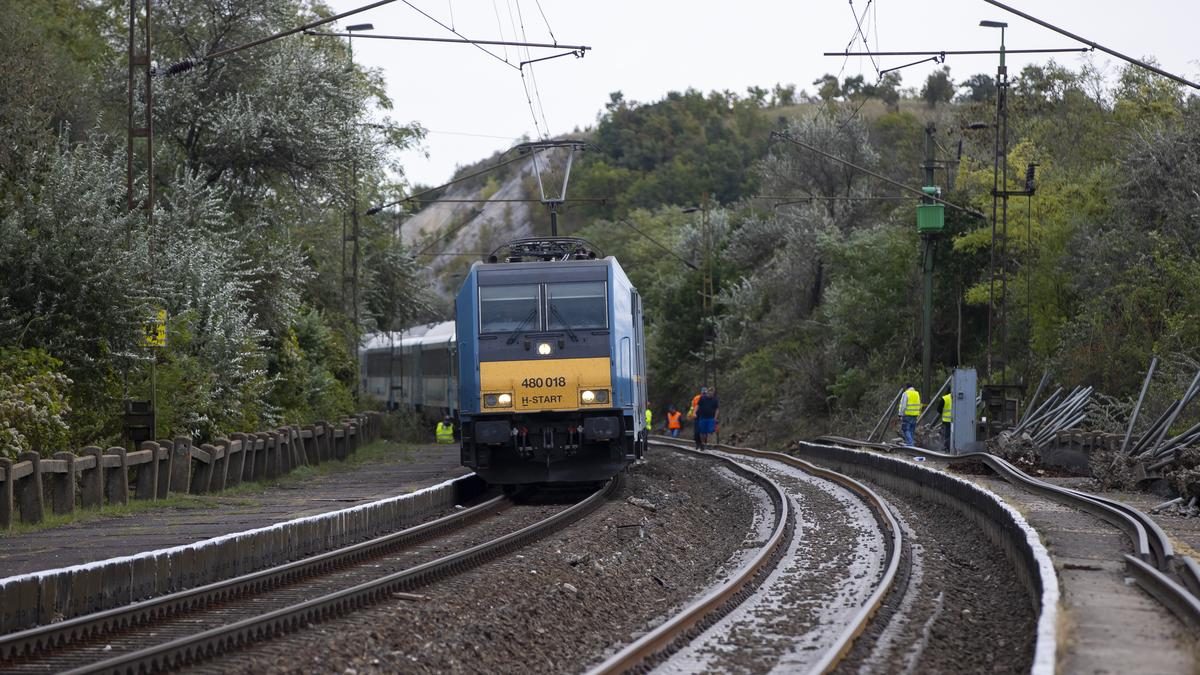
908	410
692	414
674	422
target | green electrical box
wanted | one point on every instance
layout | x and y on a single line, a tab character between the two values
931	218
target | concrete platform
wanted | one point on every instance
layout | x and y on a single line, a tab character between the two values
396	470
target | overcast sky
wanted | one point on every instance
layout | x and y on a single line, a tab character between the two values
474	104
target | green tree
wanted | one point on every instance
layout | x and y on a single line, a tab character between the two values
939	88
828	87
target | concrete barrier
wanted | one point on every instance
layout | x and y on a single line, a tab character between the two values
34	599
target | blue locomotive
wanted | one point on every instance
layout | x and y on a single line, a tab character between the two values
551	365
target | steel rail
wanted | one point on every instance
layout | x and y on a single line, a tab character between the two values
862	618
659	640
208	643
218	640
1154	560
662	637
89	626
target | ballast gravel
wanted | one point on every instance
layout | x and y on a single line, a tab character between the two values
958	606
555	606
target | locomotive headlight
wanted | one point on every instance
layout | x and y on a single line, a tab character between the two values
602	396
497	400
588	396
544	348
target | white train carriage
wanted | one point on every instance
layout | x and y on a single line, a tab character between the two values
416	367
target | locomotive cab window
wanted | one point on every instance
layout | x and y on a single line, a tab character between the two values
508	309
576	305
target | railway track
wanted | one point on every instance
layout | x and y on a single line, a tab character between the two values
763	578
1174	580
198	624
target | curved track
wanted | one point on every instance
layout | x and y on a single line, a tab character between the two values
200	623
677	631
1172	579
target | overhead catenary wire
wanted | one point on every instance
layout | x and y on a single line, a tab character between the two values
376	209
548	28
1094	45
863	35
529	60
187	64
659	244
478	46
852	165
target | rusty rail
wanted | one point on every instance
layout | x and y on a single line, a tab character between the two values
1172	579
213	642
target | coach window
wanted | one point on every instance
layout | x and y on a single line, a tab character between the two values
576	305
505	309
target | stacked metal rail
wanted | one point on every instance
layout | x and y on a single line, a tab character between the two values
1055	414
1153	448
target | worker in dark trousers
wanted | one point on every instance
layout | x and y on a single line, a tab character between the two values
908	410
692	417
946	405
707	409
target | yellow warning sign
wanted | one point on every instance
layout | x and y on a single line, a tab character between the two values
155	331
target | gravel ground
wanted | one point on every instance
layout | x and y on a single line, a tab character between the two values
962	609
555	606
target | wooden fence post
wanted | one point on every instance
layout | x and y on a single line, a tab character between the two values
298	456
166	456
237	465
220	466
310	444
91	481
147	474
181	464
63	484
116	478
203	471
262	455
322	437
6	493
29	490
283	452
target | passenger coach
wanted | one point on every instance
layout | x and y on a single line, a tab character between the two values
551	365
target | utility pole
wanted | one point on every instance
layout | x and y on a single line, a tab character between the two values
140	74
352	277
999	159
931	220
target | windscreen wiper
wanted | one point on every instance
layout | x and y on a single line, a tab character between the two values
559	316
521	326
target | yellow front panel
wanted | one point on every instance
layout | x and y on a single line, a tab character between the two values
544	384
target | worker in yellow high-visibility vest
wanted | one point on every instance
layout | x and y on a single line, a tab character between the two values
445	431
947	406
908	410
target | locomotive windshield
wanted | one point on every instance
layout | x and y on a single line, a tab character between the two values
504	309
576	305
